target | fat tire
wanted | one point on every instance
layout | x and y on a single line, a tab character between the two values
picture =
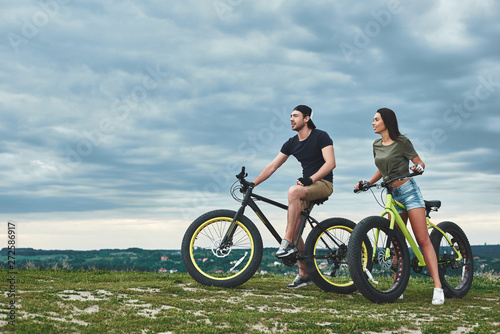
211	269
456	278
323	271
398	281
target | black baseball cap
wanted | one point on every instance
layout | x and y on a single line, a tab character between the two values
306	111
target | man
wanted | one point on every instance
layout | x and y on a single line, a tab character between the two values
313	148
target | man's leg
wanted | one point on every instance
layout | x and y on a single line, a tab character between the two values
295	195
300	247
297	199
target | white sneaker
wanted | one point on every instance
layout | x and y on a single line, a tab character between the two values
438	298
401	297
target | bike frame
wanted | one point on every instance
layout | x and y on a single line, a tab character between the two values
248	200
395	218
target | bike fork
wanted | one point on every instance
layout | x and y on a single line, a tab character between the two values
228	237
390	235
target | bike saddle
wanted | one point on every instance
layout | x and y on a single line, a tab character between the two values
319	201
432	205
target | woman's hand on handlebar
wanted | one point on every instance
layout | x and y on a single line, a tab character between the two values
365	185
418	169
361	186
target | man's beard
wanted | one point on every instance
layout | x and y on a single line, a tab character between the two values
298	128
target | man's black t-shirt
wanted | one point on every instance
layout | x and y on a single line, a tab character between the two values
308	152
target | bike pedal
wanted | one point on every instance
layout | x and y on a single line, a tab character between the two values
289	261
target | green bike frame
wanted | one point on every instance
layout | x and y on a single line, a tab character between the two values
395	217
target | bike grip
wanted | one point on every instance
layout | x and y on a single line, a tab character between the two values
241	174
359	187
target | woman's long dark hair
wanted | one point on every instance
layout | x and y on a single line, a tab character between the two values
391	122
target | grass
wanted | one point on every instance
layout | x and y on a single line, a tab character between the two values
61	301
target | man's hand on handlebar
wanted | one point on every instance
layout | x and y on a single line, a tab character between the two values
245	185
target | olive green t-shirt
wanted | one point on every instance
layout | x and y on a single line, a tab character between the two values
393	160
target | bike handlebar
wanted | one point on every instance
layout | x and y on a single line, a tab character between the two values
241	176
384	184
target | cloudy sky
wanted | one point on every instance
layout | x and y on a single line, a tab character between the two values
122	121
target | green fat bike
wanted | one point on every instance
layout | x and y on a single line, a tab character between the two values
389	255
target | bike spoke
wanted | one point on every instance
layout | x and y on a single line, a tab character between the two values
218	255
455	260
326	255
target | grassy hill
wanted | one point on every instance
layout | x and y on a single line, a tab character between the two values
95	301
137	259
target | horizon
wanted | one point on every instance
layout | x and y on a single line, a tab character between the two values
155	249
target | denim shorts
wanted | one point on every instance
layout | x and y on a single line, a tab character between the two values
409	195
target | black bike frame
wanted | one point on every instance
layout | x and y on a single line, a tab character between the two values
248	200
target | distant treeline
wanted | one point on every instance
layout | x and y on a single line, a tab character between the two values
137	259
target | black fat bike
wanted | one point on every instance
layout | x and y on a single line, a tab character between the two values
224	248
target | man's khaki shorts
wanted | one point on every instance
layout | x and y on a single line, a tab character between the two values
317	190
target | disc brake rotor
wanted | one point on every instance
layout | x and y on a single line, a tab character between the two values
219	251
383	262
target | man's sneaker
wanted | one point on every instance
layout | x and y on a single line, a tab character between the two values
299	282
438	297
286	248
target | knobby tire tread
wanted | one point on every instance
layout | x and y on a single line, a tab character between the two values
464	246
312	239
242	277
358	275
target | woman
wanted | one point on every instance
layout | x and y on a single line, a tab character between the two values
392	154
